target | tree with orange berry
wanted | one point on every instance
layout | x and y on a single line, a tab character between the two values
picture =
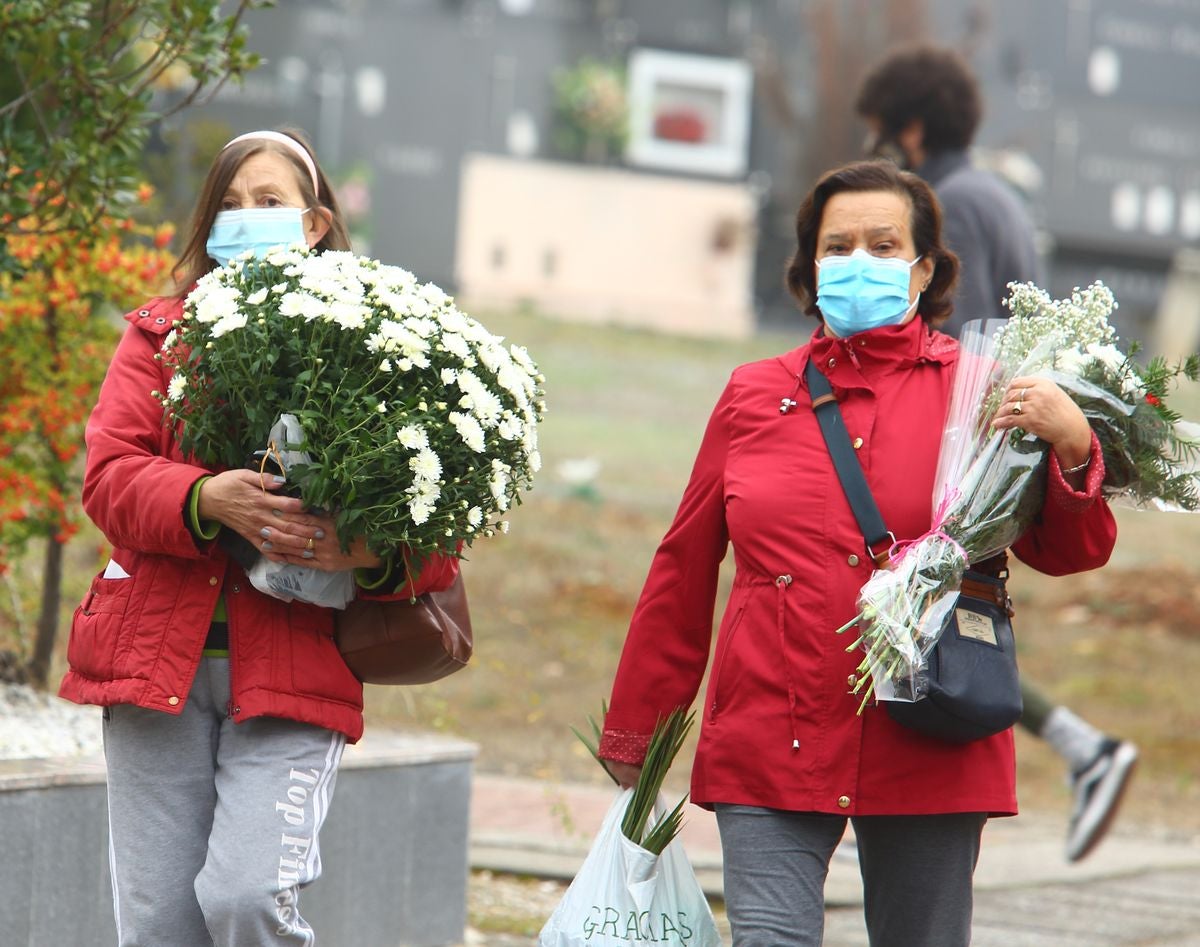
72	254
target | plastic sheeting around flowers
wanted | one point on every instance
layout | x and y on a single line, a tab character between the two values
987	488
990	484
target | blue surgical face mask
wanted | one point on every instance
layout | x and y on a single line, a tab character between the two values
860	292
257	229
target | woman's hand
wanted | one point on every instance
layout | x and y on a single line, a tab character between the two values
625	773
278	526
1039	406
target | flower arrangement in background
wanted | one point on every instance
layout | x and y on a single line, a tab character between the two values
990	484
590	110
420	424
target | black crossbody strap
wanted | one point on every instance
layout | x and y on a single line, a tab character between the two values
849	470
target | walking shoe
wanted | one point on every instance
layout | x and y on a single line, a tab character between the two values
1097	789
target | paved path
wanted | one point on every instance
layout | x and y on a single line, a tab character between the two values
1138	888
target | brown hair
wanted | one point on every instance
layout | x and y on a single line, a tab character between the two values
928	84
194	261
925	220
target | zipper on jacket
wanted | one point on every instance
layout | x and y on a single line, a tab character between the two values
781	583
232	709
719	665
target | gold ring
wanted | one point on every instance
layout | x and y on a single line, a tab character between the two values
1017	408
310	543
1021	394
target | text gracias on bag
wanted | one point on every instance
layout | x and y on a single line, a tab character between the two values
637	927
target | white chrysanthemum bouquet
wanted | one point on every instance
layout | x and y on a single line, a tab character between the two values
417	426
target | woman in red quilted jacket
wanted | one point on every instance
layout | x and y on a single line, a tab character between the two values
225	710
783	757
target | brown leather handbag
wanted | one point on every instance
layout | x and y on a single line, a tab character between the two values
407	642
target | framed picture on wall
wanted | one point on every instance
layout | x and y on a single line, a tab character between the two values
688	113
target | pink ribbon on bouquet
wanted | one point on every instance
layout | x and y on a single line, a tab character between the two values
902	547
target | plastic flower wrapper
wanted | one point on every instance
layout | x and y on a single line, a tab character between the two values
990	484
419	425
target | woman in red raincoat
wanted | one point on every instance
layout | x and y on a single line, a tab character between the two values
783	757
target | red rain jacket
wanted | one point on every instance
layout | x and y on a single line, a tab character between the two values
138	640
764	481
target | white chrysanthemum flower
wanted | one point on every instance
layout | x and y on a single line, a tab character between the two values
257	298
510	429
494	356
452	320
169	340
419	510
479	399
381	407
280	288
422	327
521	357
500	477
348	315
385	365
433	295
426	464
455	344
215	304
449	376
470	430
413	436
176	387
474	516
228	323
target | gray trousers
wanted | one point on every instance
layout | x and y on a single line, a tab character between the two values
916	873
213	826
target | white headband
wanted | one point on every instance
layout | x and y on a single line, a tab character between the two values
291	143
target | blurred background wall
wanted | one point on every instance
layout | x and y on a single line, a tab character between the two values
732	107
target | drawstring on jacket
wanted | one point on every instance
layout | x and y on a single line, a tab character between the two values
781	585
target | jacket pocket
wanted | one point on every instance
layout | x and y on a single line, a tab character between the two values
96	627
317	667
716	693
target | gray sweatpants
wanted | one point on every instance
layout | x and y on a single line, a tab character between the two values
213	826
916	874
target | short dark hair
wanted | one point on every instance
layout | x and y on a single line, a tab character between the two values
925	221
194	261
928	83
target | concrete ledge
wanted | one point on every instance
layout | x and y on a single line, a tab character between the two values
394	848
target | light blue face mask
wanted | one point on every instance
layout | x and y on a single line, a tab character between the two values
257	229
860	292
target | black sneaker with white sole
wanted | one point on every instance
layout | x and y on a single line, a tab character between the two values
1097	790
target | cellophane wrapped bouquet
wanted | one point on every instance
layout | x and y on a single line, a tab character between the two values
990	484
410	423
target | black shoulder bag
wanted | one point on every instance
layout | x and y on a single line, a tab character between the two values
969	688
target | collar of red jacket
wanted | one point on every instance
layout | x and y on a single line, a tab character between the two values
850	362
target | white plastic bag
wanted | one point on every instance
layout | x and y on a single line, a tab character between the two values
285	581
625	895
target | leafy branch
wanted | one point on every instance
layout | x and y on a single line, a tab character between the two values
665	743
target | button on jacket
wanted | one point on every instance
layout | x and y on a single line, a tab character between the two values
779	726
138	639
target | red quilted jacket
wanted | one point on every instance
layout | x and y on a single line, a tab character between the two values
138	640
